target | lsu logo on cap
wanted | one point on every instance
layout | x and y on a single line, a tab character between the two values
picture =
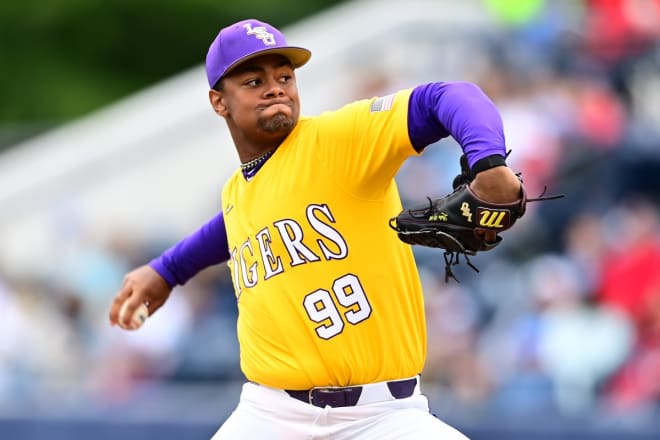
493	218
261	33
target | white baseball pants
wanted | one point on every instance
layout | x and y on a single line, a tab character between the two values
271	414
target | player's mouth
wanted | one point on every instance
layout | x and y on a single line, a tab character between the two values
277	109
277	106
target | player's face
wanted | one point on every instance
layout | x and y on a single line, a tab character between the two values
259	100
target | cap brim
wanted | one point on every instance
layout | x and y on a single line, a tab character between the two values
297	55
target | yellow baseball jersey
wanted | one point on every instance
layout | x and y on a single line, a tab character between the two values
327	294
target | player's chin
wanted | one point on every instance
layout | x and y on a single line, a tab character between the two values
279	123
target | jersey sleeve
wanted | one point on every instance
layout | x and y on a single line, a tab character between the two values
365	143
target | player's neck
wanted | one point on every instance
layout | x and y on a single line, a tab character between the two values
248	151
250	144
257	161
254	154
248	155
250	169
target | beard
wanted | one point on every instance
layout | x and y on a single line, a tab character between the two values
277	124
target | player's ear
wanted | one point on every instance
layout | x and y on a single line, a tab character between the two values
217	101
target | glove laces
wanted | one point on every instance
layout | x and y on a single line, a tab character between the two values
452	258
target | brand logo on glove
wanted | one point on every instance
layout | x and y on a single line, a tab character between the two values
440	217
465	210
496	219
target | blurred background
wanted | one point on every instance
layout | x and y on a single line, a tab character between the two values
110	153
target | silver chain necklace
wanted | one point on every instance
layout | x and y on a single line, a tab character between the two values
247	166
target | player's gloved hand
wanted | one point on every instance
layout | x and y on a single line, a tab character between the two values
470	219
141	286
498	185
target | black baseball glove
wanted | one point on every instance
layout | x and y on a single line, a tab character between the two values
456	222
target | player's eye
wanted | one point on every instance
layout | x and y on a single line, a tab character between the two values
252	82
285	78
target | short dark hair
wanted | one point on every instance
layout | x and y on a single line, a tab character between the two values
218	87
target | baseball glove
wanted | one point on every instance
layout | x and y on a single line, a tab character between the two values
452	222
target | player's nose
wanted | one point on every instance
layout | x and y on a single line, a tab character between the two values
275	89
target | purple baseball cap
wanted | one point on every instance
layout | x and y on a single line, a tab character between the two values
245	40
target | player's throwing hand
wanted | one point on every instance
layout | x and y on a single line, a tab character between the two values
141	286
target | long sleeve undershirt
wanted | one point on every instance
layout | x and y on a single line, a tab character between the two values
436	110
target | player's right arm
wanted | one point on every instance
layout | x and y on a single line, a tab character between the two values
152	283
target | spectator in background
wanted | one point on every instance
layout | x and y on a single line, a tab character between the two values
617	34
630	282
563	347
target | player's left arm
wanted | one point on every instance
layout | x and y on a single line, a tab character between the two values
462	110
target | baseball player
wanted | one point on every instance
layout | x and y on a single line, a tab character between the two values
331	316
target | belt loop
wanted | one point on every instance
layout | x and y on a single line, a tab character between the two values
350	396
402	388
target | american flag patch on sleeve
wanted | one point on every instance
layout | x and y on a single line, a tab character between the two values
382	104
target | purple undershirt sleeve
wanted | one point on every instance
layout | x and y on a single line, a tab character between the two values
436	110
459	109
203	248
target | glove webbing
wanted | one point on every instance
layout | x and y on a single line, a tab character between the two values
452	258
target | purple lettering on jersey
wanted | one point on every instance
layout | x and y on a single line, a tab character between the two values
436	110
291	234
459	109
209	245
272	263
249	273
203	248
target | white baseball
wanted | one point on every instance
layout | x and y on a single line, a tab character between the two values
139	316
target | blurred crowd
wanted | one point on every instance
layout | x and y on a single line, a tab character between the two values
563	317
